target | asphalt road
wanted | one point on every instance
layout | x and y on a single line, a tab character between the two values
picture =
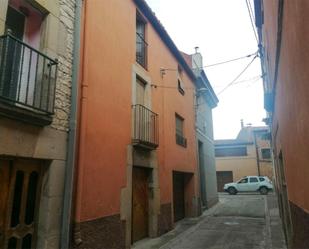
237	222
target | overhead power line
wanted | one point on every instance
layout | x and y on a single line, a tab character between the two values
255	78
251	19
216	64
231	60
237	77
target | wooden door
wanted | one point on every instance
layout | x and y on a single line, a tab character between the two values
19	203
4	190
139	204
223	177
178	196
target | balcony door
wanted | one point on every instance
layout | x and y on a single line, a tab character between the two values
140	92
11	52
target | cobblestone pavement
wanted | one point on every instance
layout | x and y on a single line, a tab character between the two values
237	222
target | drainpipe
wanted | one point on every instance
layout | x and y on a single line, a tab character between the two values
71	149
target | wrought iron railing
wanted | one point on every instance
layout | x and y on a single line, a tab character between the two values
141	50
27	76
145	127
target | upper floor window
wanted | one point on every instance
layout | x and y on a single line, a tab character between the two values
230	152
141	44
181	88
266	153
180	139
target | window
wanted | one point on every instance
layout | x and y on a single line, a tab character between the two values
141	44
244	180
262	179
266	153
180	140
180	88
230	152
253	179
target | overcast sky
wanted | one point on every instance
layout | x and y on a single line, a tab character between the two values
222	30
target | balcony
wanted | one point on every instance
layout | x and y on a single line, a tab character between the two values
27	82
145	128
141	50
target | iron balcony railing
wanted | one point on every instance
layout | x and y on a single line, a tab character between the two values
27	76
141	50
145	127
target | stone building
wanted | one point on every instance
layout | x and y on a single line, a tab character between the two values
36	45
247	155
284	37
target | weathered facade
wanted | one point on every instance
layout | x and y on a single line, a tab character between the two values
137	169
284	37
206	100
247	155
35	86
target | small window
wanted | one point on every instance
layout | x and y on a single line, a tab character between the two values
231	152
179	70
181	88
141	44
180	140
266	153
253	179
244	180
262	179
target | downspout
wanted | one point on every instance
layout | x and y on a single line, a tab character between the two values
71	149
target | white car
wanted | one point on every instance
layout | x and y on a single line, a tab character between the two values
261	184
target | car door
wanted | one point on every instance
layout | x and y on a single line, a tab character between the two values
242	185
253	184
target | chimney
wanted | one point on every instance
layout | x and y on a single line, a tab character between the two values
197	59
242	123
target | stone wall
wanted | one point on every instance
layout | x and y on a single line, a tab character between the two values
65	58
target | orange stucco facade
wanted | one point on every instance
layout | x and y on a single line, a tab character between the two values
107	92
284	35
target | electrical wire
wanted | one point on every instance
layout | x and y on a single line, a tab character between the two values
237	77
255	78
251	20
223	62
171	87
216	64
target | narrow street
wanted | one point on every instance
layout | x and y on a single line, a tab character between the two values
237	222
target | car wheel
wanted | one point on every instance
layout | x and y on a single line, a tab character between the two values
263	191
232	191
